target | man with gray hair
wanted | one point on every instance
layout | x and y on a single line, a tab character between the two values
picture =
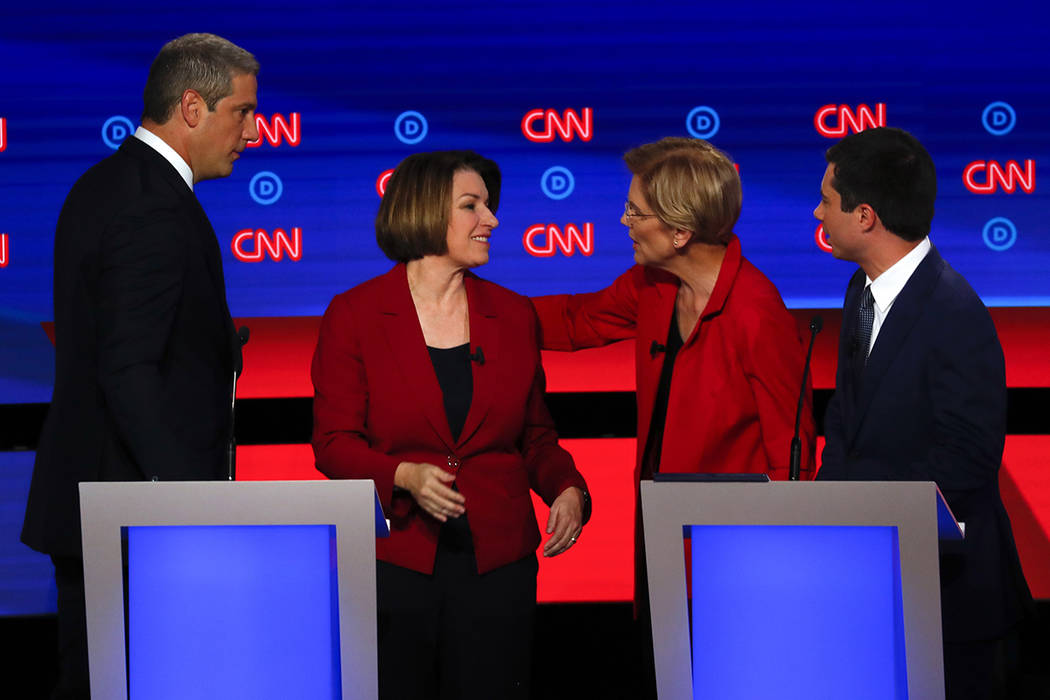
145	346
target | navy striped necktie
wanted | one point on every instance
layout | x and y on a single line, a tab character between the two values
865	319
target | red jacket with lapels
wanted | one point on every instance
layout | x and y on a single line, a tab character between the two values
377	403
734	391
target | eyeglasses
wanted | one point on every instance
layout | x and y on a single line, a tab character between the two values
630	214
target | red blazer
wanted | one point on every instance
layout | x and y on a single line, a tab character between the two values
736	380
377	403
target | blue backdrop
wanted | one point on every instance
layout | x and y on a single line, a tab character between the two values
361	85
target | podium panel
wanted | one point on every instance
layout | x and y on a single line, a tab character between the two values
231	602
799	589
797	612
231	589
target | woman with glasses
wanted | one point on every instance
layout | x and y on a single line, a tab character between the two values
719	359
428	381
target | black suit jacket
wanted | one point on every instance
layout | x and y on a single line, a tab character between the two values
145	347
930	405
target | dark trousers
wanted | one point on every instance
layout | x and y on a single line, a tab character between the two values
982	670
72	630
643	677
456	634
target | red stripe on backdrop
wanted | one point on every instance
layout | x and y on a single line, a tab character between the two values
277	358
599	567
276	463
1025	484
1023	332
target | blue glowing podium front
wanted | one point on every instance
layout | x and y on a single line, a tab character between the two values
797	589
231	589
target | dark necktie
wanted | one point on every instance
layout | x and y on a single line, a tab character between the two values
865	318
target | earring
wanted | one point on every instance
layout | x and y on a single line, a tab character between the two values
674	242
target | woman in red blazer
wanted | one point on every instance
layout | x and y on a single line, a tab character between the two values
718	357
428	381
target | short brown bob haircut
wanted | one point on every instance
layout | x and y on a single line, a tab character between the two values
690	185
413	216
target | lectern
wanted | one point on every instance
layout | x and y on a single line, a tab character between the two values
798	589
231	589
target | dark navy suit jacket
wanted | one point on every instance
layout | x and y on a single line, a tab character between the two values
930	405
145	347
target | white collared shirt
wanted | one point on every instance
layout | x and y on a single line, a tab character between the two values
157	144
886	287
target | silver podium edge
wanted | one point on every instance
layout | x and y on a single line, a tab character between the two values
913	507
352	506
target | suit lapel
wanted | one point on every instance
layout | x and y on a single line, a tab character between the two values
213	259
846	377
202	230
484	335
404	336
907	308
210	245
851	321
156	162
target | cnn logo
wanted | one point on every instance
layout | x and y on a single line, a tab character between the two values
542	240
542	125
993	176
835	121
278	130
252	245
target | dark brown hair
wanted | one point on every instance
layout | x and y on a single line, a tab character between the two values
413	217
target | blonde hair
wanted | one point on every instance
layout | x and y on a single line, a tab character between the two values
690	185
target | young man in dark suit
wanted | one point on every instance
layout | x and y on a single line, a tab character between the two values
920	392
145	346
